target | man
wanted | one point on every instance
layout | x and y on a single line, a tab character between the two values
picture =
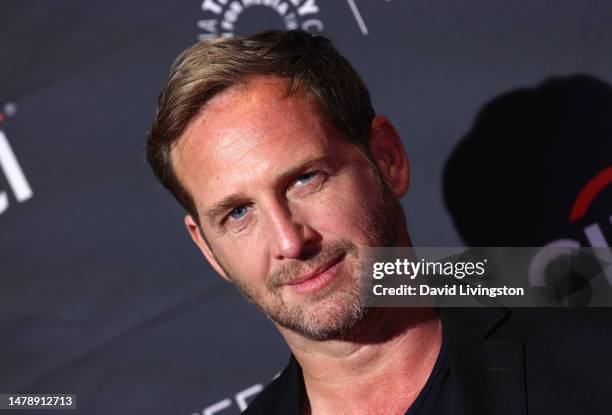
273	148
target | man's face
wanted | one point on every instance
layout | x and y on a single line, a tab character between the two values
285	203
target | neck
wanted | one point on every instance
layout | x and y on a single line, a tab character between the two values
379	367
390	353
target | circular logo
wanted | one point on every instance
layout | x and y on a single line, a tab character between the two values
240	17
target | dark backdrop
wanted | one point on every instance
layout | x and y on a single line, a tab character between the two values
504	108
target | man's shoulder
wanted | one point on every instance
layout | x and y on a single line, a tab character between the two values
563	352
561	329
528	323
281	396
514	361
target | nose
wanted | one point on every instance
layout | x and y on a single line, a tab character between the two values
291	235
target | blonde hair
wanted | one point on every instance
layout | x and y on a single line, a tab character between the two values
309	62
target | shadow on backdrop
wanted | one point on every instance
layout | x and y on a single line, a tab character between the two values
536	167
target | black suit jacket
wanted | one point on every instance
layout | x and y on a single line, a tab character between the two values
505	362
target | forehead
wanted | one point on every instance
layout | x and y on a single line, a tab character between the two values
247	133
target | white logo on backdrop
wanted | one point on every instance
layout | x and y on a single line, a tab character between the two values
240	398
295	14
9	165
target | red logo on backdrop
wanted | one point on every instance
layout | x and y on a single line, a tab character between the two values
594	235
588	193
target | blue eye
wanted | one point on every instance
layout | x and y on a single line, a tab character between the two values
238	212
306	177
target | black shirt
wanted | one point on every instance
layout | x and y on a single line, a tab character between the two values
437	396
287	394
501	362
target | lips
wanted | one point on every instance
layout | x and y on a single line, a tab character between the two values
318	278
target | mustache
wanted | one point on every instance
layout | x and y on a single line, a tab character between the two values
288	272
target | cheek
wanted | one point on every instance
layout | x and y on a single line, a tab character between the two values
245	262
342	212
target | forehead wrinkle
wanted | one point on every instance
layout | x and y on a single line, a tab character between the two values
241	179
293	114
187	149
217	104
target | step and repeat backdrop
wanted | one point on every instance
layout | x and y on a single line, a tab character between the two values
505	110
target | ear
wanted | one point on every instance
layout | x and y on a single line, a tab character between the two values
198	239
389	154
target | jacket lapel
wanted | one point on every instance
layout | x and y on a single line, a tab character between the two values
489	373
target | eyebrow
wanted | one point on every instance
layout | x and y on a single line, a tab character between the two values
223	205
230	201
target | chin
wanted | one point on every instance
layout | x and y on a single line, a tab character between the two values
325	320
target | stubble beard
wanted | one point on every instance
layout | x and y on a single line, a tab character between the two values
335	311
